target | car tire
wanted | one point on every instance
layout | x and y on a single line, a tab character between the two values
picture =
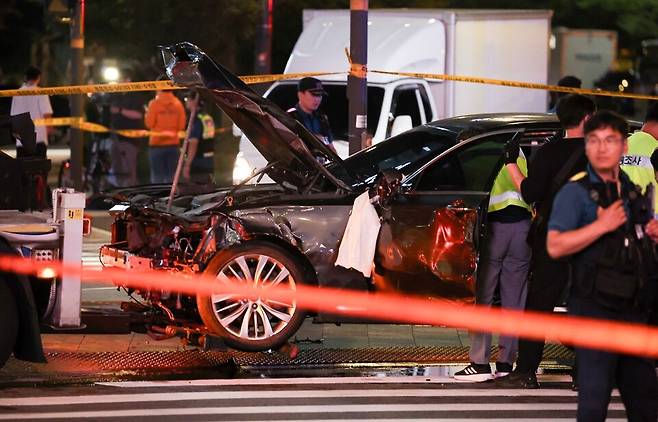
44	296
233	319
8	321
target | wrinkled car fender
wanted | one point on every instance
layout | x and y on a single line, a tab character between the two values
264	223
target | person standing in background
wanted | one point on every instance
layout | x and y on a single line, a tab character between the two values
505	266
165	115
551	167
199	159
39	108
126	113
307	110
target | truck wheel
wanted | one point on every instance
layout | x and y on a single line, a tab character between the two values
253	325
8	322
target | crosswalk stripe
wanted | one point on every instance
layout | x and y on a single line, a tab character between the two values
265	394
336	409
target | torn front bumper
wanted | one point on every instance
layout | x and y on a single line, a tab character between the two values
114	256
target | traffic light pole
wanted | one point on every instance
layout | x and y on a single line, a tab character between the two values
357	83
77	101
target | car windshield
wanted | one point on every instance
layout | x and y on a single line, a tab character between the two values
406	152
334	105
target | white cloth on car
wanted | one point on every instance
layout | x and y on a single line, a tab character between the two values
357	248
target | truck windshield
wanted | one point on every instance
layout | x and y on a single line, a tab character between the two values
334	105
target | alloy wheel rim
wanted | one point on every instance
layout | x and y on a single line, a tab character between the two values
257	319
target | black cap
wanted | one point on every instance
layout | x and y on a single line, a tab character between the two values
311	84
570	81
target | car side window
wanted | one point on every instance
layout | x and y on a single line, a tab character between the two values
469	168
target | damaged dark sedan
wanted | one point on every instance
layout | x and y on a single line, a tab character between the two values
432	190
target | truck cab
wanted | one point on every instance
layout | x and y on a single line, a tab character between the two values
393	107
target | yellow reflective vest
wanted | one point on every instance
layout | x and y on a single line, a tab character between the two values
503	192
637	162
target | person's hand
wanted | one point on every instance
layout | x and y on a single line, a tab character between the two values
511	151
651	229
611	218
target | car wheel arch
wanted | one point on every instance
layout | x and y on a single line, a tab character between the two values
311	277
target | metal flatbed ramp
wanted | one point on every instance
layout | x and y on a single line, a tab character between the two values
107	362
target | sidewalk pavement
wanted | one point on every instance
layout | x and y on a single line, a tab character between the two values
309	336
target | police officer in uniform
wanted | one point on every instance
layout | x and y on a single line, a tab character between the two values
505	266
642	145
603	223
306	111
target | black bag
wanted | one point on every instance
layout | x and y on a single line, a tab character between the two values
611	283
619	275
539	224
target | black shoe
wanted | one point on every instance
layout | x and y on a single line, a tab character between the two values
475	373
503	369
518	379
574	379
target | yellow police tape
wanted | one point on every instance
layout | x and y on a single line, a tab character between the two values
143	86
80	123
516	84
254	79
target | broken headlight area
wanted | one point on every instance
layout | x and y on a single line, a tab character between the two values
144	239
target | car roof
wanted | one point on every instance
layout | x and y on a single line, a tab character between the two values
493	121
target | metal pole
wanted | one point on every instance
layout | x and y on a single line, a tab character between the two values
77	101
181	159
264	45
357	83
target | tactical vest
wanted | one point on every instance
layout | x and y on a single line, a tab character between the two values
614	270
325	128
208	124
504	192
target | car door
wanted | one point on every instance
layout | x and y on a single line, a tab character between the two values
432	232
407	101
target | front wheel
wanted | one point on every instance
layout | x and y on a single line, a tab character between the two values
253	325
8	322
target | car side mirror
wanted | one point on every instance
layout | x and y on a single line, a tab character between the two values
401	124
236	131
387	187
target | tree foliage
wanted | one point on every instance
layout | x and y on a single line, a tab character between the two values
132	30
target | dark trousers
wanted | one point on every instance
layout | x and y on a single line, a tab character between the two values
548	281
599	372
40	152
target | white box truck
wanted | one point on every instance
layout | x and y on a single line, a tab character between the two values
499	44
585	53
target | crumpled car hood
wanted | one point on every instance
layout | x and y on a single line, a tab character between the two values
291	151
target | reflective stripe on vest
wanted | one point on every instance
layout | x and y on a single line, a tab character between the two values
208	124
503	191
637	164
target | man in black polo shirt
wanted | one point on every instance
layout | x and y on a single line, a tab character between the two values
548	170
306	111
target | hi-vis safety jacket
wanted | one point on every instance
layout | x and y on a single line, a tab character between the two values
637	164
503	192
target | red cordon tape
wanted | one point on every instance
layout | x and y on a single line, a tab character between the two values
636	339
